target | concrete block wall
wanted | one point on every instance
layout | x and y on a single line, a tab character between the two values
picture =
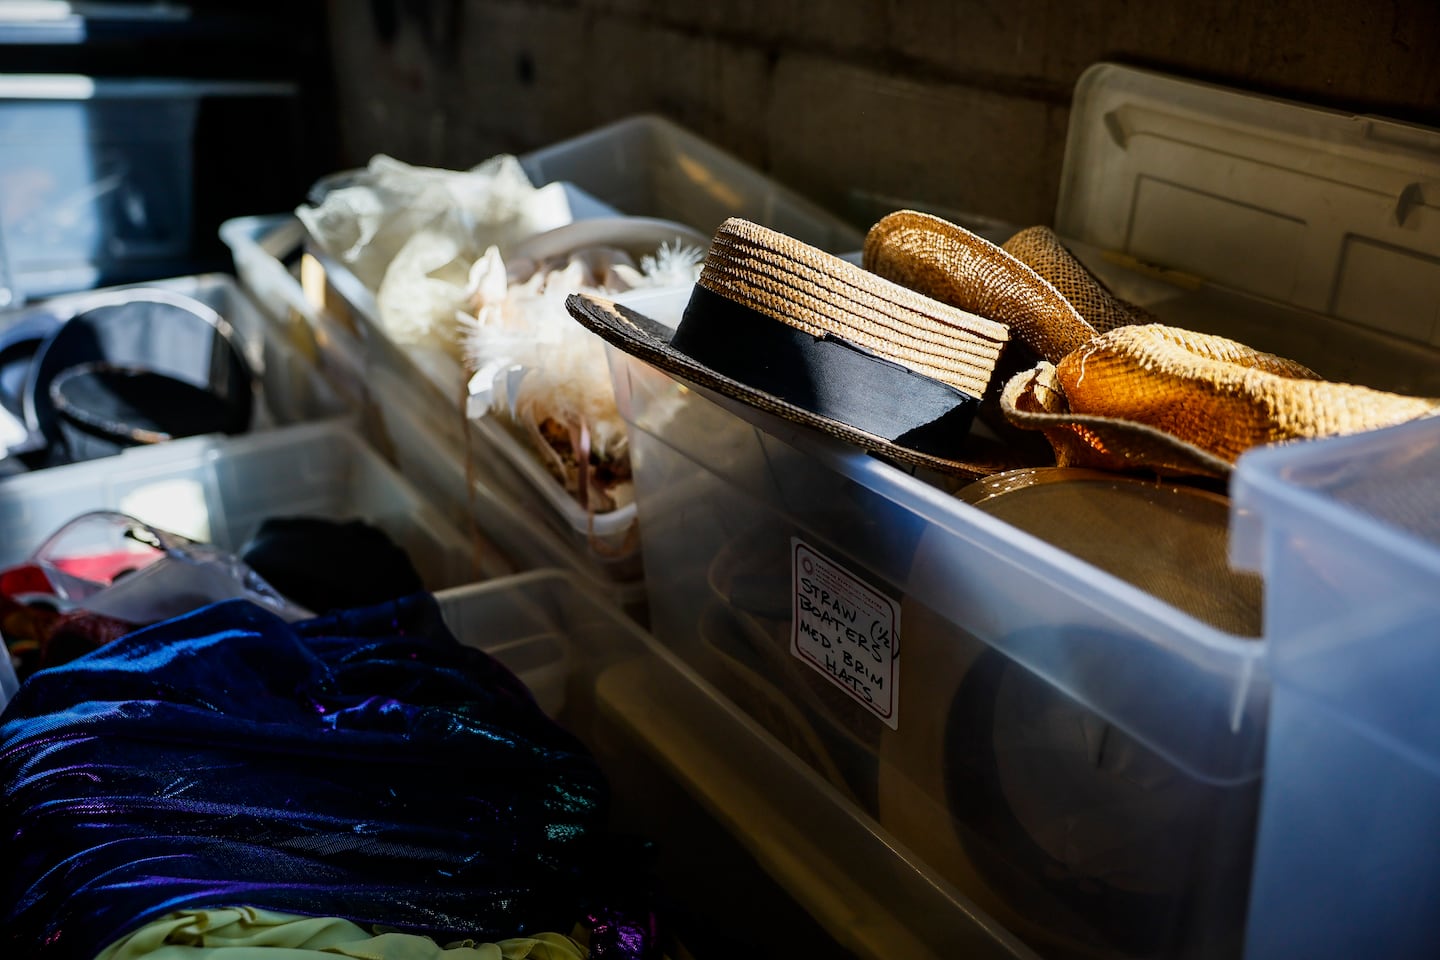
860	104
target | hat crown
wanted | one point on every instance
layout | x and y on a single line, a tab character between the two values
942	260
825	295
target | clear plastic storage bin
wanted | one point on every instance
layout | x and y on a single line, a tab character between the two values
754	851
642	166
335	318
1028	747
1077	756
647	166
219	490
1347	534
97	177
427	444
258	247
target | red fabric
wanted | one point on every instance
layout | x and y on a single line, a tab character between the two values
104	567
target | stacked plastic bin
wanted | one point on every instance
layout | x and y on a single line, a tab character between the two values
1346	534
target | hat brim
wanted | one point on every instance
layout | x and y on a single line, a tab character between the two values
644	338
1102	443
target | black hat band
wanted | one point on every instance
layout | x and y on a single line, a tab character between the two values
825	375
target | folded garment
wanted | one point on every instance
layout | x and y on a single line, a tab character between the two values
363	765
244	933
329	564
38	636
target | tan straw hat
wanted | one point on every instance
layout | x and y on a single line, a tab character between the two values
953	265
1040	250
796	331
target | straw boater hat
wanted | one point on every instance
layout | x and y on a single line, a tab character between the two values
1113	389
790	329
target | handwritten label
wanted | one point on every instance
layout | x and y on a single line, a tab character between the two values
846	631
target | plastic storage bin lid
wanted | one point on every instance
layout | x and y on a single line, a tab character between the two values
1331	212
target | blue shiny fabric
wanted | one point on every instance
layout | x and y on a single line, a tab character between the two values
363	765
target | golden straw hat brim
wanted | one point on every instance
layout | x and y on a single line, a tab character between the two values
1173	401
1033	400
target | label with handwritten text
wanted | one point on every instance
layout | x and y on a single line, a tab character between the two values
846	630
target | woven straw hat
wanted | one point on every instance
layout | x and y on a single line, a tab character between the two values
803	334
1159	398
953	265
1114	389
1040	250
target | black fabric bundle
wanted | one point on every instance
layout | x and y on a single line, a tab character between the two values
326	564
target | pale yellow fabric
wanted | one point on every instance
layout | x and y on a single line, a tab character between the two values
245	933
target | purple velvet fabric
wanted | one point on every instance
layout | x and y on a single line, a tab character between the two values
364	765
